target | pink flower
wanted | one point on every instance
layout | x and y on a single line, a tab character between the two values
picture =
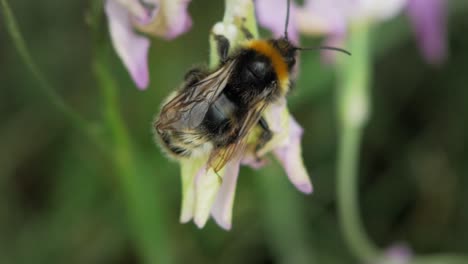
396	254
204	193
428	21
272	15
164	18
331	18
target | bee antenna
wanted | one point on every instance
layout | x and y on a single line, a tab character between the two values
326	48
287	19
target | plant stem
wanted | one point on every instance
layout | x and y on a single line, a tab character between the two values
144	215
283	217
140	196
348	202
56	101
353	110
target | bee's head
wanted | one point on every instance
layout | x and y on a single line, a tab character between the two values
287	50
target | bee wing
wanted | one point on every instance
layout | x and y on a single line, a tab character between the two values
220	157
188	107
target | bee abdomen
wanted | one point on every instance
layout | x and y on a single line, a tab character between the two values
171	146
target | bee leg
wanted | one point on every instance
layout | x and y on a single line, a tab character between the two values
265	136
220	179
246	33
223	47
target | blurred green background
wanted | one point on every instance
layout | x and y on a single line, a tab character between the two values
62	201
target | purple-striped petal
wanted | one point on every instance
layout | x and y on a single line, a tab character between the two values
135	8
130	47
428	19
286	145
290	156
222	207
171	18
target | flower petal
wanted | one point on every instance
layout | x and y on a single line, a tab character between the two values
135	8
286	145
207	184
170	18
269	14
252	161
130	47
397	254
222	207
428	18
323	17
290	156
277	117
377	10
189	170
332	40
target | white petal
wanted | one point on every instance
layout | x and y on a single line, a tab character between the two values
222	207
130	47
207	184
189	170
277	117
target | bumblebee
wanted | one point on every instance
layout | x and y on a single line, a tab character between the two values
214	111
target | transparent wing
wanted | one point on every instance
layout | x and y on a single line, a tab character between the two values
187	109
219	157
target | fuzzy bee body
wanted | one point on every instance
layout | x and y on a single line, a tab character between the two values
214	111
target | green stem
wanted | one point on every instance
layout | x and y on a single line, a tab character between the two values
348	202
440	259
353	112
354	74
143	212
56	101
283	216
140	197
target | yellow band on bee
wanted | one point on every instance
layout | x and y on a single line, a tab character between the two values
279	65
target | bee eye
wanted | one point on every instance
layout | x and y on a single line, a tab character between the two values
258	68
291	61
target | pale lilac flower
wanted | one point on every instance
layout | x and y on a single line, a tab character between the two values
164	18
204	192
286	145
331	18
337	15
272	15
375	11
396	254
428	19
